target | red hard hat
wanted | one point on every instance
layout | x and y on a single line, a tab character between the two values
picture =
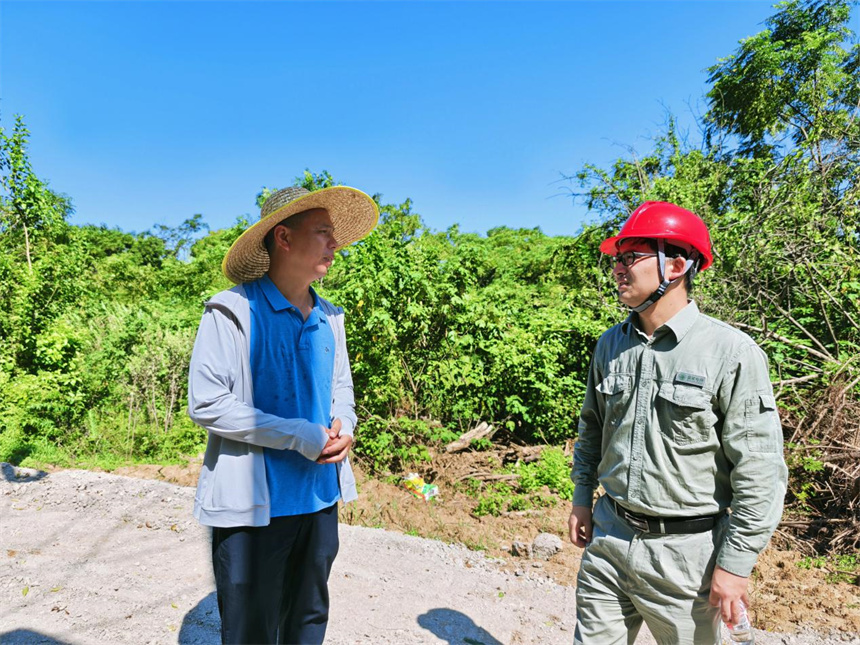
662	220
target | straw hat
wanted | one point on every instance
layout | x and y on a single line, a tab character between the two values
353	213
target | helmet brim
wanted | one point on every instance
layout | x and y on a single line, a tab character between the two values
610	245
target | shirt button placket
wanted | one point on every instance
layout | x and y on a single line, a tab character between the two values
643	405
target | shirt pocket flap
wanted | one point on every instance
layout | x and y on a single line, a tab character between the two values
614	383
768	402
685	395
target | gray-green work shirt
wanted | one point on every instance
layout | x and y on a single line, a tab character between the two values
684	424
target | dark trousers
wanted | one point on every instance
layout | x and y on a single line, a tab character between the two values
272	581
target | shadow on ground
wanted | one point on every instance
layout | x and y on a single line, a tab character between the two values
202	624
29	637
455	627
15	474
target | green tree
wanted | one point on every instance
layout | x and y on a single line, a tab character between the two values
308	180
178	240
27	207
794	80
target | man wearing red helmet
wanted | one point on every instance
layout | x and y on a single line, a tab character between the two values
679	425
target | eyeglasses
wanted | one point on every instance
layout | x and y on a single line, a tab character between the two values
629	258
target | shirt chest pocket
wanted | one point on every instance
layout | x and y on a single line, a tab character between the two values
684	413
615	389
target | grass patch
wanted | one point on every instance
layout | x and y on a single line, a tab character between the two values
535	485
839	568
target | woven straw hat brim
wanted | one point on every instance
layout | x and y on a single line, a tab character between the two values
353	213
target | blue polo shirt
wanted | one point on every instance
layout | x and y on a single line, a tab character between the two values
292	361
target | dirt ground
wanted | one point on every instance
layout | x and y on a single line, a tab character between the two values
92	558
785	598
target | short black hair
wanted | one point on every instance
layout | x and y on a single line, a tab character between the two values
291	222
673	251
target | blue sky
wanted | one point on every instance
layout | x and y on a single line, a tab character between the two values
149	112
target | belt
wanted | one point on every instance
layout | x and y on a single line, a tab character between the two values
666	525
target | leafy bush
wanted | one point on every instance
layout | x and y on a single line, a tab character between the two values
536	485
463	328
551	470
393	445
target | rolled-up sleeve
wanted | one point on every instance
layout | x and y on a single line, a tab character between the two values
752	442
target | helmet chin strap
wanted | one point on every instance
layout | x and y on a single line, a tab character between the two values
664	283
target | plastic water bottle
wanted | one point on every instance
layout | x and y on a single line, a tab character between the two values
741	631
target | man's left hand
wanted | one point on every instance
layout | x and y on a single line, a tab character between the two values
337	447
726	590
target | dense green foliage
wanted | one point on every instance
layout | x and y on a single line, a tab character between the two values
445	329
449	328
460	328
96	327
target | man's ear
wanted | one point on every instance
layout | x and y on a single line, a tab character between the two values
675	267
281	235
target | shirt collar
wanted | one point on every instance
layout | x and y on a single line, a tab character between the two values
276	299
629	324
679	324
317	309
279	303
683	321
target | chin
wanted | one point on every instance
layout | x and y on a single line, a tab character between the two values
625	299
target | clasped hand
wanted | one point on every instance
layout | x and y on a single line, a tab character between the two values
337	447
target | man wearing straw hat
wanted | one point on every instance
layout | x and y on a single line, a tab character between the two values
270	381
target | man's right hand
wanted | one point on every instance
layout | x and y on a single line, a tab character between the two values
337	447
580	525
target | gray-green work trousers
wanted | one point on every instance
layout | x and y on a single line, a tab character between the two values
628	576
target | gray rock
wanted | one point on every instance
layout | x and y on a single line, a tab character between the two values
521	549
546	545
